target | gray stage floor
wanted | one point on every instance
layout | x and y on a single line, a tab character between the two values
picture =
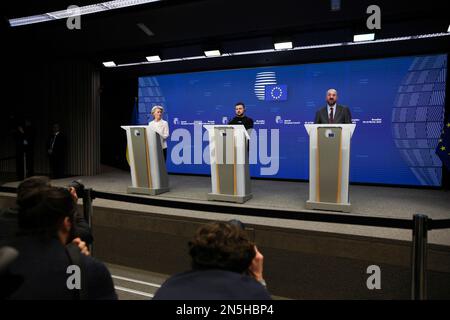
366	200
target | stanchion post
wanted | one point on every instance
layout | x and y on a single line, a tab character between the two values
87	205
87	211
419	257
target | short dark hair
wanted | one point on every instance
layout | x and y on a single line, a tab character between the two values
31	183
221	245
239	104
42	210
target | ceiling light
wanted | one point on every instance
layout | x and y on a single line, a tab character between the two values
283	45
364	37
66	13
153	58
212	53
109	64
310	47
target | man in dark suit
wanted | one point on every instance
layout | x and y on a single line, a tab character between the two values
333	112
24	136
56	152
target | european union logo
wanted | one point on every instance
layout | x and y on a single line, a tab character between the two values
443	147
275	92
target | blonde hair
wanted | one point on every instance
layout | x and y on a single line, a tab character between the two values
155	108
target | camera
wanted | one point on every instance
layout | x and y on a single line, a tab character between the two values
237	223
79	188
250	231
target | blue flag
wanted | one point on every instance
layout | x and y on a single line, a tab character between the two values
443	147
134	121
275	92
134	114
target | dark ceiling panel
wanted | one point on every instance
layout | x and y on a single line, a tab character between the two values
180	26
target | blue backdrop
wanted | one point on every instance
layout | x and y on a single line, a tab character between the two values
396	103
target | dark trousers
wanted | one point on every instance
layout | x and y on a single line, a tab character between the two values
165	154
20	170
24	162
56	167
29	156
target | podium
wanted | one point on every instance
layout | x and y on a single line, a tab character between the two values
230	175
148	167
329	160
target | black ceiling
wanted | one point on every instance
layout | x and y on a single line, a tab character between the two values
184	28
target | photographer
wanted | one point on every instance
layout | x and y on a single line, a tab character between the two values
82	229
46	216
225	265
8	217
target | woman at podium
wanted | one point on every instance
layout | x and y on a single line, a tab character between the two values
160	126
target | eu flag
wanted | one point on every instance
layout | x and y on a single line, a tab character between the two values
276	92
443	147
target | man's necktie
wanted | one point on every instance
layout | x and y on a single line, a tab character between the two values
331	118
53	142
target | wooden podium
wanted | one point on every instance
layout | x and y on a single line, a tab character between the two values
148	168
329	161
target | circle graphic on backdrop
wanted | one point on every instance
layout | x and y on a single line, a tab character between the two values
418	115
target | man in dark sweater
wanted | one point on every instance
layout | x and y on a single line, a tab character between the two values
241	118
46	262
226	265
9	216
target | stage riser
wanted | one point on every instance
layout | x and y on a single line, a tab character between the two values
298	264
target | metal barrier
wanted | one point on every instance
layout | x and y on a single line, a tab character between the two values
87	205
3	161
